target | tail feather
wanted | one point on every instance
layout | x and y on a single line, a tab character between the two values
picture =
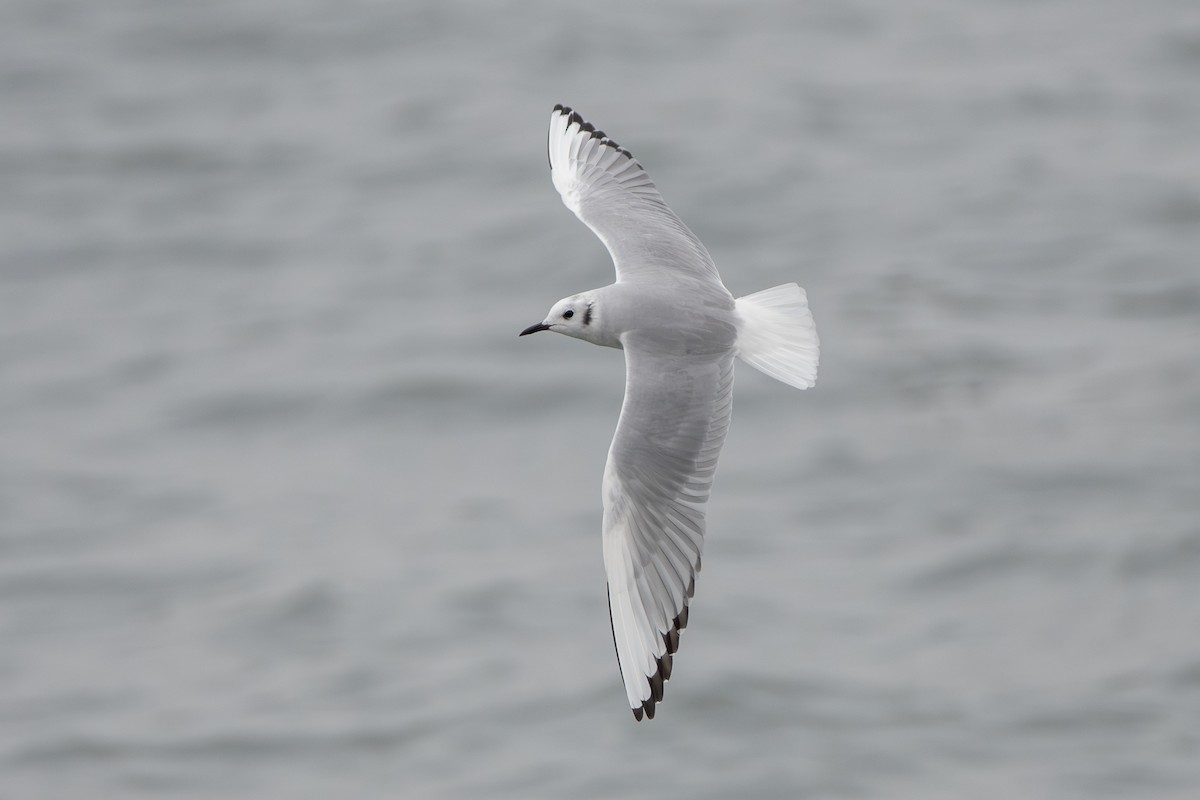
777	335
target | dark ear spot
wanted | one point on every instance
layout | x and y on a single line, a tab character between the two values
587	315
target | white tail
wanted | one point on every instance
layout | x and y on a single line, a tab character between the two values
777	335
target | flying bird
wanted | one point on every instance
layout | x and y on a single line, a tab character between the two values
680	329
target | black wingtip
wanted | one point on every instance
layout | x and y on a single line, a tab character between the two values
664	664
573	118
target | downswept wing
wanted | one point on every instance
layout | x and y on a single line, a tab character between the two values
610	191
656	484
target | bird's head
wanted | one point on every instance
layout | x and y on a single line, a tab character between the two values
572	316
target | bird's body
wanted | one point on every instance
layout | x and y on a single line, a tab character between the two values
680	329
698	320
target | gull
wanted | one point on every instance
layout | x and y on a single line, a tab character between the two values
680	329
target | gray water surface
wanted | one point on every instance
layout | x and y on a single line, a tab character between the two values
288	510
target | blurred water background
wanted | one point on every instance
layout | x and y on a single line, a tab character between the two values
288	510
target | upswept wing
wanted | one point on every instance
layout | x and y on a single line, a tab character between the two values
610	191
656	484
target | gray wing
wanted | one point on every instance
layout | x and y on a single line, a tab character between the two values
656	483
608	189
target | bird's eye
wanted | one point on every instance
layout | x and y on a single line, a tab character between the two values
568	314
